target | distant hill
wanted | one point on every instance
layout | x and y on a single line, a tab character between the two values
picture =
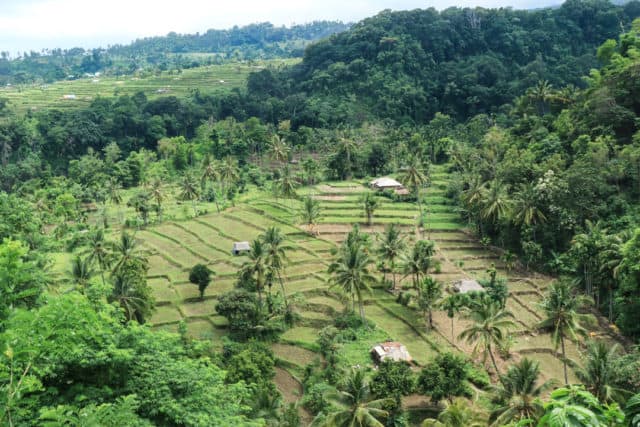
408	65
171	52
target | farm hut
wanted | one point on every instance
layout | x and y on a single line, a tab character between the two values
390	350
240	247
467	285
401	192
385	184
70	96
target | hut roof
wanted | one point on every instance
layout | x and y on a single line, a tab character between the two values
385	182
391	350
467	285
241	246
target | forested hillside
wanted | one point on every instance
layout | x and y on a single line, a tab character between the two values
406	66
171	52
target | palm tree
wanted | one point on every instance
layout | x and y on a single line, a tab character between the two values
452	304
127	253
417	262
275	254
350	272
391	245
496	204
598	373
541	94
632	410
99	251
229	173
525	208
415	176
370	203
81	272
429	293
310	213
115	196
487	331
156	188
519	396
256	267
610	260
346	146
128	296
286	184
189	191
360	410
561	306
459	413
209	174
278	149
587	246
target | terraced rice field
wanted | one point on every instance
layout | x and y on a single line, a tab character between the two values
81	92
176	246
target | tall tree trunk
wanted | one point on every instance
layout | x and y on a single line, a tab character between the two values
495	365
452	337
393	274
564	361
284	295
610	303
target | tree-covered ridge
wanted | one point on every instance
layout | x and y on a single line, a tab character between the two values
408	65
170	52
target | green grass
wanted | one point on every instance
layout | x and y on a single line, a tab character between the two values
296	355
165	314
303	335
207	79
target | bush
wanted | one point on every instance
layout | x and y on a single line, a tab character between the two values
444	377
351	320
314	399
478	376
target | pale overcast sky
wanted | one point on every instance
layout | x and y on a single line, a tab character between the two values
37	24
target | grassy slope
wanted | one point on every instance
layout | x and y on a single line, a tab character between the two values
207	79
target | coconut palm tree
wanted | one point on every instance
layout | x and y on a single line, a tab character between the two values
286	184
459	413
115	196
496	204
541	94
369	203
189	191
209	174
275	255
360	411
128	296
561	306
519	396
525	207
488	329
417	262
156	189
598	373
452	304
347	147
415	176
310	213
81	272
391	245
126	253
632	410
429	293
99	251
610	261
278	149
350	272
256	267
229	173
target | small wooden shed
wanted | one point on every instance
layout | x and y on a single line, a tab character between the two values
240	247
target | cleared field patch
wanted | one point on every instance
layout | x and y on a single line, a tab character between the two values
193	241
199	308
305	269
551	367
304	335
159	266
227	268
211	235
174	251
296	355
162	291
235	230
200	329
305	284
326	301
165	314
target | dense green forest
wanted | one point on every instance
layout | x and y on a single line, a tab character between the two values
517	137
171	52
